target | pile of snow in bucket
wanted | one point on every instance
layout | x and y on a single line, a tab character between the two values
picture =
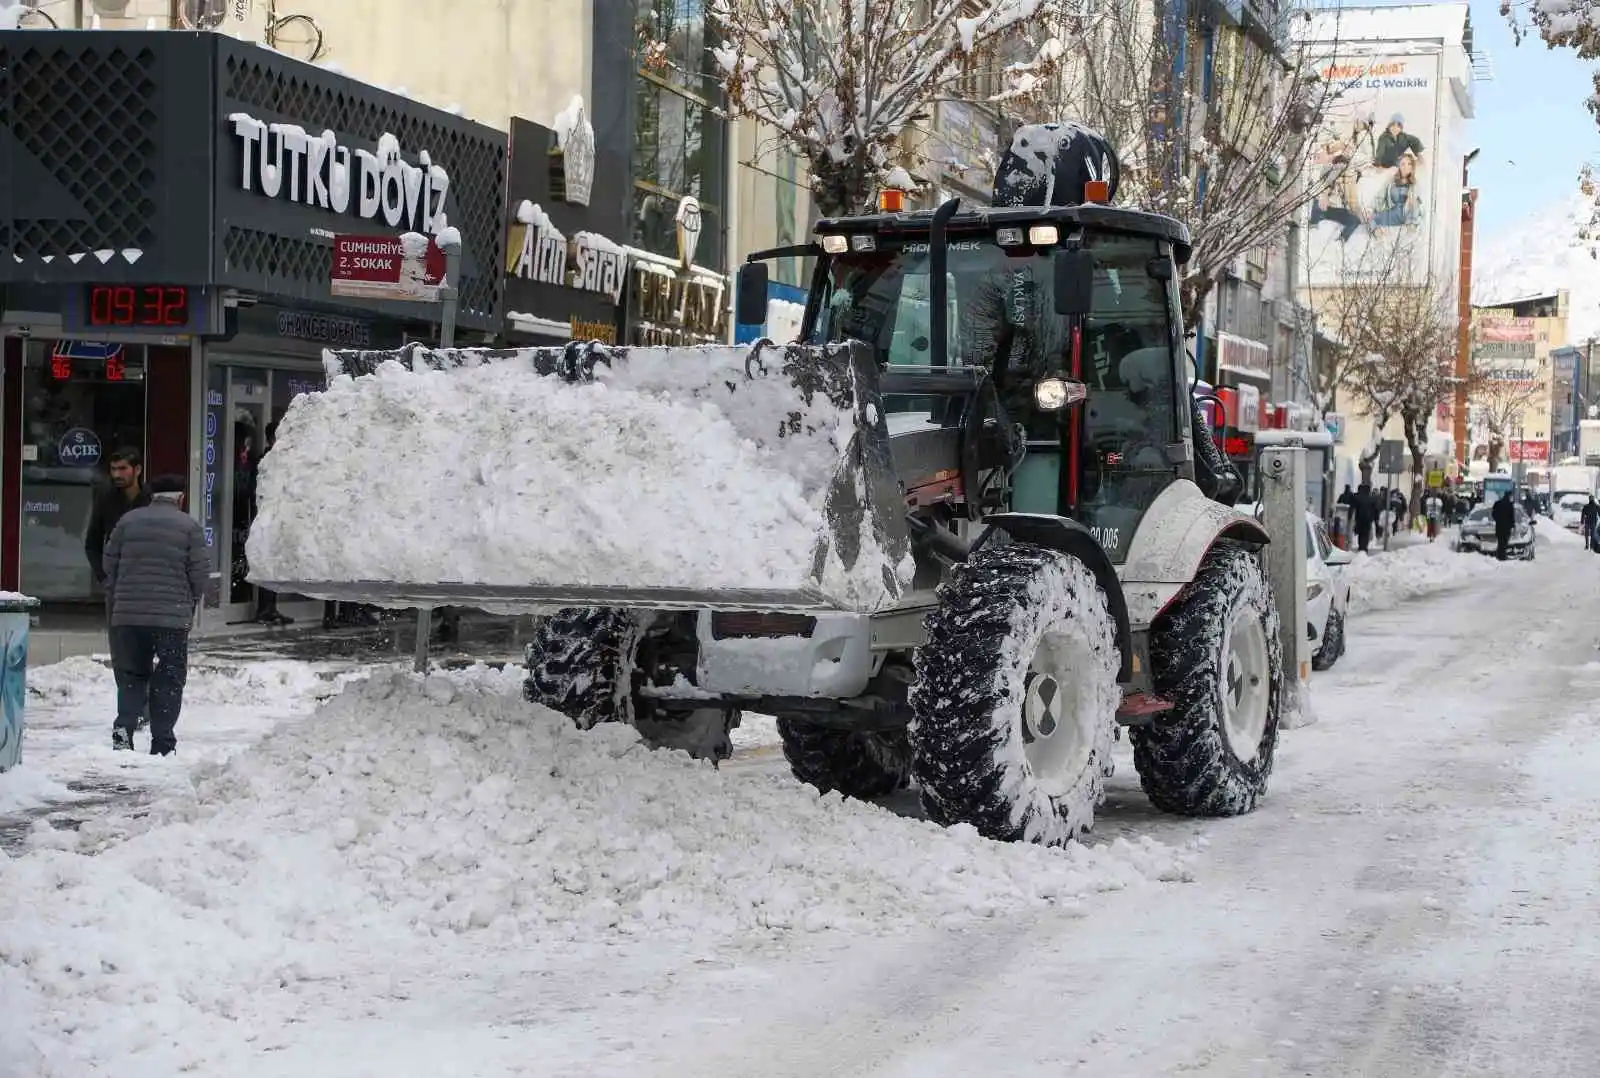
674	469
406	814
1385	579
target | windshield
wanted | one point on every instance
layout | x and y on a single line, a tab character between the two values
1484	514
1001	317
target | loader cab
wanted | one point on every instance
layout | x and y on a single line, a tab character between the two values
1071	312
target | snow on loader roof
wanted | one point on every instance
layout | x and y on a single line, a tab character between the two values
522	479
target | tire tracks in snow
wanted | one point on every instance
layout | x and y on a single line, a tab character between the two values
1365	1011
1298	950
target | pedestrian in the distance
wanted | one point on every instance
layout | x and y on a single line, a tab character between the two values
1505	516
267	612
127	492
156	568
1365	511
1433	508
1589	519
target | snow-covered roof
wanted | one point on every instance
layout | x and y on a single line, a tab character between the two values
1536	257
1409	22
1513	301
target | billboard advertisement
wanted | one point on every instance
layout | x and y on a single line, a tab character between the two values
1374	172
1528	451
1505	330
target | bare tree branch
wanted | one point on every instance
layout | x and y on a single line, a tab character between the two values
842	80
1502	390
1395	348
1236	169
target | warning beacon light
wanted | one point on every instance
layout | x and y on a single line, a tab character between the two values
891	200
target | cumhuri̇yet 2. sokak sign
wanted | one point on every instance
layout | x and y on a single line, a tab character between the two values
285	161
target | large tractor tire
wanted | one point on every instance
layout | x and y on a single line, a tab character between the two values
578	663
866	764
581	663
1014	708
1215	654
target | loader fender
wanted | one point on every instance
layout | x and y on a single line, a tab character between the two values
1073	539
1178	530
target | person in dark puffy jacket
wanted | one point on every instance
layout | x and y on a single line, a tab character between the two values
156	567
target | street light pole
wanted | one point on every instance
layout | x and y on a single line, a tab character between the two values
449	296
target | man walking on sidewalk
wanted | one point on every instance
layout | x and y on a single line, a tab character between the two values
127	493
1505	515
156	568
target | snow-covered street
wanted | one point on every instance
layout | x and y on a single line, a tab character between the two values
431	879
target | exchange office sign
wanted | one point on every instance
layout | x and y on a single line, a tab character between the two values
285	161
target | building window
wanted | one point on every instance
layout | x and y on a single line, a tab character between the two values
680	145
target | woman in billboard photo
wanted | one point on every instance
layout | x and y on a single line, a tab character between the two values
1398	202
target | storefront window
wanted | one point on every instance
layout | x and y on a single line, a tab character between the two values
81	402
680	143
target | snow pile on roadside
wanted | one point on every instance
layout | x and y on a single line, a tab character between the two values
23	787
494	474
1557	535
1383	580
272	683
406	810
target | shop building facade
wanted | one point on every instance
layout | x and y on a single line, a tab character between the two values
169	212
565	267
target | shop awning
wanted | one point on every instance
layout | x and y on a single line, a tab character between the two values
672	267
539	327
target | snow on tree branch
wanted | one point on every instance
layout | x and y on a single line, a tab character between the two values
842	80
1396	346
1560	24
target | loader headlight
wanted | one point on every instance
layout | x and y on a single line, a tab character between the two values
1043	235
1312	591
1054	394
836	245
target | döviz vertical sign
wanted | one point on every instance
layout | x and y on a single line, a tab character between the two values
210	460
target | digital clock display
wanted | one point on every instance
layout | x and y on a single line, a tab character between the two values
148	306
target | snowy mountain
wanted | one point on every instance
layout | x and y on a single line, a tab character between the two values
1540	254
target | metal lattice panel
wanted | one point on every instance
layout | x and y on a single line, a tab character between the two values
272	255
259	82
90	118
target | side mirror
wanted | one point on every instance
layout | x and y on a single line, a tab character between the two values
1337	557
750	294
1073	270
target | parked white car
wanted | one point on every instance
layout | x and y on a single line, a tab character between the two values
1327	591
1327	595
1568	511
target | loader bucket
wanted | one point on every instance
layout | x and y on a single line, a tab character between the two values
518	480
